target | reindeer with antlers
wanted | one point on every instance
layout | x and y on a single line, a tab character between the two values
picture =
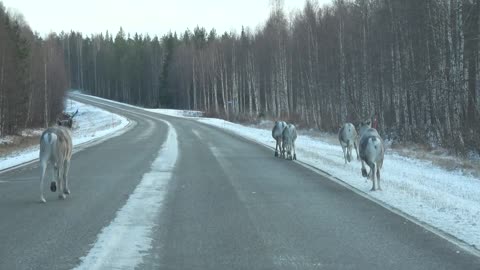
56	149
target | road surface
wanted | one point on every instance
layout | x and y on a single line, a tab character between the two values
229	204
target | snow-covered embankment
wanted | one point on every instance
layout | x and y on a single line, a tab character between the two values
91	123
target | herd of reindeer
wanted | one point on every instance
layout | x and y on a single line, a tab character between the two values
367	143
56	149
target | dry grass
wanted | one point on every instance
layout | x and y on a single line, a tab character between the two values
18	143
438	156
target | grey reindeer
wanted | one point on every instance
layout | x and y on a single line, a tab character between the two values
371	150
56	149
288	142
347	135
277	132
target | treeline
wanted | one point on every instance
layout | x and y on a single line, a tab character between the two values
32	76
414	64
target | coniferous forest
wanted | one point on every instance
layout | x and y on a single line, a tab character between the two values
413	64
32	76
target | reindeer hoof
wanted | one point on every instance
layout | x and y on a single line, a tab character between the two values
372	189
66	191
53	186
276	153
364	173
42	200
61	196
295	157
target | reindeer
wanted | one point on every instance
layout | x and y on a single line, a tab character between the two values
371	152
66	119
347	135
56	149
277	135
289	136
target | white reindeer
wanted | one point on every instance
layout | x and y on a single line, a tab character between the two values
56	149
347	135
289	136
371	152
277	132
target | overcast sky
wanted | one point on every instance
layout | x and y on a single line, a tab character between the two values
155	17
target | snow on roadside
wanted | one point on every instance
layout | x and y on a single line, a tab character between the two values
177	113
6	140
90	124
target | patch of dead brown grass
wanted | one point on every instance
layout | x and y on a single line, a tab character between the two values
18	143
438	156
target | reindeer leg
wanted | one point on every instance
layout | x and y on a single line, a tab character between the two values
53	184
374	180
276	147
378	178
60	181
294	152
66	190
356	150
344	154
44	168
364	171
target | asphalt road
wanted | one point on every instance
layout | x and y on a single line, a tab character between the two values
230	204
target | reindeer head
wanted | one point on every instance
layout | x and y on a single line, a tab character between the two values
364	125
67	120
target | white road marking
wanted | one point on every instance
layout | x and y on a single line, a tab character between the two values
124	242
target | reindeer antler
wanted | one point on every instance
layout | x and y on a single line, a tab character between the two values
73	115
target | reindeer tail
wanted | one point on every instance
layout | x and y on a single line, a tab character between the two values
47	142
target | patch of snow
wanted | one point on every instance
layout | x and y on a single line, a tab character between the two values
122	244
6	140
177	113
19	157
31	132
474	155
90	123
